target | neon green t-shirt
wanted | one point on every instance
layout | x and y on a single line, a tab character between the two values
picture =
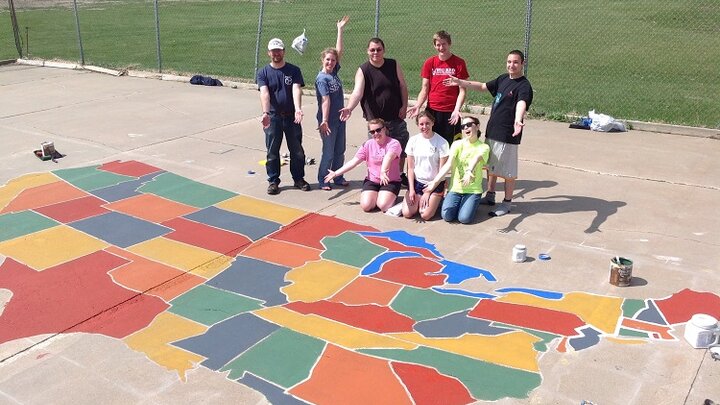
463	153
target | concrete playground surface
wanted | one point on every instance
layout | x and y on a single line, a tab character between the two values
148	265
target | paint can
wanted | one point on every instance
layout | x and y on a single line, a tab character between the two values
620	271
519	253
702	330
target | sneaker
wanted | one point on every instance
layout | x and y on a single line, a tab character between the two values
273	189
404	179
489	198
502	209
302	185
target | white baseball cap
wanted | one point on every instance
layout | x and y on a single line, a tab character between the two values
275	43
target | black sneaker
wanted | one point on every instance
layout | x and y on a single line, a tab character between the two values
273	189
302	185
403	179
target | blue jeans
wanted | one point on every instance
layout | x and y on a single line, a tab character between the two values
333	153
460	206
273	140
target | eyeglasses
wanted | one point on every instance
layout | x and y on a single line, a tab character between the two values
467	125
374	50
374	131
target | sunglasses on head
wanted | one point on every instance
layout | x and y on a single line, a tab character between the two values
467	125
374	131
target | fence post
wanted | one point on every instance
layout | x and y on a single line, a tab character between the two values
157	37
377	18
528	29
77	28
257	40
15	28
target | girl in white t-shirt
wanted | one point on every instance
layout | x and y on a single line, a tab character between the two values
426	153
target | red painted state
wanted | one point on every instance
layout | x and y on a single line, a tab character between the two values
310	229
393	246
74	210
368	317
130	168
206	237
413	271
681	306
541	319
60	297
427	386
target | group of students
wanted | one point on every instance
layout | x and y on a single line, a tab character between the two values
448	141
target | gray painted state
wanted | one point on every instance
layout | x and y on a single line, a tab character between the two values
120	229
273	393
124	190
456	325
255	279
590	337
253	228
651	314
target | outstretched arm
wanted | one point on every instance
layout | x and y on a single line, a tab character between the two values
344	169
355	97
339	42
403	92
520	110
468	84
421	99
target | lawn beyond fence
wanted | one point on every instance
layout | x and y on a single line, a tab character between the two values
648	60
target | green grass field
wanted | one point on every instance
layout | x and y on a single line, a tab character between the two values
634	59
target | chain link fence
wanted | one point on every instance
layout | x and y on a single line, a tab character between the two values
647	60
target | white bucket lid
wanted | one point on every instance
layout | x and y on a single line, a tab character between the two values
704	321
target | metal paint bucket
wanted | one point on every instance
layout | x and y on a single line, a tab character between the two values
620	271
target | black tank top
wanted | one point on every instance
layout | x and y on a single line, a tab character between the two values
381	97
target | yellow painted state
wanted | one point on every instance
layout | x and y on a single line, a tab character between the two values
602	312
50	247
198	261
261	209
15	186
331	331
155	340
318	280
626	341
514	349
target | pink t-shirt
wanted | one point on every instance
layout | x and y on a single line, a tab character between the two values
440	96
373	153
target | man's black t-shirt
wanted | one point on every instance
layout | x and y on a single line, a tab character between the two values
507	93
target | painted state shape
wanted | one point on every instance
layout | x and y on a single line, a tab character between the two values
544	294
458	272
367	290
681	306
420	304
392	245
631	307
44	195
589	337
282	253
350	249
377	263
14	187
456	325
661	331
311	229
127	189
253	228
406	239
208	305
284	358
413	271
155	341
273	393
318	280
150	207
428	387
255	279
74	210
200	262
651	314
263	209
206	237
547	320
345	377
372	318
224	341
129	168
51	247
330	331
186	191
119	229
90	178
17	224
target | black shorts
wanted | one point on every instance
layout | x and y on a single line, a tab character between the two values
393	186
419	187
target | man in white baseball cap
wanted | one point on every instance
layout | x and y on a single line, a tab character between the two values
280	84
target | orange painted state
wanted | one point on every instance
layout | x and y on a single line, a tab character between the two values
393	246
41	196
662	331
282	253
310	229
525	316
142	274
74	210
428	387
373	318
151	208
367	290
681	306
413	271
130	168
345	377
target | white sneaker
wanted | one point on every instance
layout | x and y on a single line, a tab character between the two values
502	209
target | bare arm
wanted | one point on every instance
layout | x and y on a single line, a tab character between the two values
468	84
297	100
403	92
385	167
456	116
349	165
444	169
265	105
421	99
325	108
520	110
339	42
355	97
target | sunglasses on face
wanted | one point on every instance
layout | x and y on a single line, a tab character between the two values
374	131
374	50
467	125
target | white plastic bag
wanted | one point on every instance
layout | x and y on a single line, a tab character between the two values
605	123
300	42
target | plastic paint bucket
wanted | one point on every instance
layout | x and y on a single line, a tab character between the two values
701	331
620	271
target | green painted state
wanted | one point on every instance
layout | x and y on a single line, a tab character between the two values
22	223
420	304
630	307
284	358
351	249
540	346
485	381
209	305
633	333
186	191
89	178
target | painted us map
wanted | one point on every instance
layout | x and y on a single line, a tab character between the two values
299	306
